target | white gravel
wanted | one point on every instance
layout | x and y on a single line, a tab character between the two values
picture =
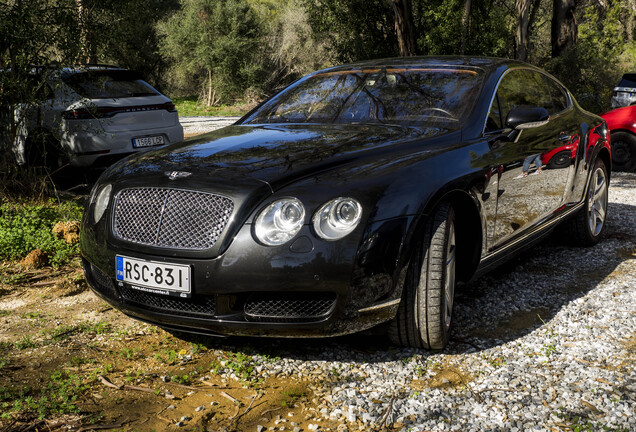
200	125
546	343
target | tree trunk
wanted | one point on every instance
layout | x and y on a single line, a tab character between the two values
526	12
564	26
209	101
465	25
629	25
404	27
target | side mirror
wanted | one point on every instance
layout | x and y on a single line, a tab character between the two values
527	117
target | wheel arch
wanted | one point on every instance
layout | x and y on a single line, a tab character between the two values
468	229
605	156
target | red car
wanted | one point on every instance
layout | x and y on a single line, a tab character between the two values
622	125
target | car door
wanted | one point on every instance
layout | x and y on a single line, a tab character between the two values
531	185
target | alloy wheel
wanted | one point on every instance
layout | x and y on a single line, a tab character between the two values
597	202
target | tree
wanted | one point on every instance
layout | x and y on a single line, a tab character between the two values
355	29
32	32
526	13
404	27
564	26
465	25
215	42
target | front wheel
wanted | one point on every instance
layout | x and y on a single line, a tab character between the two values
588	225
425	313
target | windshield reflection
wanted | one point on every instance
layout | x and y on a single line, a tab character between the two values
411	96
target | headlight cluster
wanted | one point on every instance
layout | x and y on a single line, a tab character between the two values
280	221
101	202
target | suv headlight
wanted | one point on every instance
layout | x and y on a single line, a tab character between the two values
337	218
101	202
280	221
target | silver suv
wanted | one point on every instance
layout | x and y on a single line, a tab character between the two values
625	91
95	115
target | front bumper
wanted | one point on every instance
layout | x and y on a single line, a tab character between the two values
316	290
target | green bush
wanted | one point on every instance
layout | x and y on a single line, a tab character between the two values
25	227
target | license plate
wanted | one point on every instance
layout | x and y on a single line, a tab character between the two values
154	277
148	141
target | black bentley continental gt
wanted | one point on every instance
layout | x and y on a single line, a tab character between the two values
359	195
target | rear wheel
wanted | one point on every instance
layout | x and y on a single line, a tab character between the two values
588	225
425	314
623	151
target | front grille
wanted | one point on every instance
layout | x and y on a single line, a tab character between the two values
98	280
171	218
205	306
292	307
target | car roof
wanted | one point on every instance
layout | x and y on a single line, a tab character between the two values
472	62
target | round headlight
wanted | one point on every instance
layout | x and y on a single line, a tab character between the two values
337	218
280	221
101	202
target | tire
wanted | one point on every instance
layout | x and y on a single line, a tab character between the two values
424	316
586	228
623	151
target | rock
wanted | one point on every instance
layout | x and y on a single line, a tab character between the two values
171	407
200	408
185	418
180	424
37	258
68	231
260	428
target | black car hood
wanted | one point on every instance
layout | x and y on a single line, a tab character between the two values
240	156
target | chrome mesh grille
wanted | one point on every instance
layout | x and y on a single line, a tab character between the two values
205	306
171	218
298	307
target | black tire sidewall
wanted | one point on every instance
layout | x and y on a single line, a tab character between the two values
626	139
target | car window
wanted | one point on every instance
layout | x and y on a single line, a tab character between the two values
108	84
494	122
394	95
560	100
628	80
523	87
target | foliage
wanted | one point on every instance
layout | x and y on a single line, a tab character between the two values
590	70
116	32
356	29
25	227
32	33
214	41
440	24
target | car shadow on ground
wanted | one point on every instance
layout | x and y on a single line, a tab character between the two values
502	306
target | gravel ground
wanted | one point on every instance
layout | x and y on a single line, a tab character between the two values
546	343
199	125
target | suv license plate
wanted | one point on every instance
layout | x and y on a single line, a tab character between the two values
148	141
154	277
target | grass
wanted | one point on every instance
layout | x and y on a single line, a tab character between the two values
25	226
189	107
59	397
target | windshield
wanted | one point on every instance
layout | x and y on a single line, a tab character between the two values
387	95
628	80
108	84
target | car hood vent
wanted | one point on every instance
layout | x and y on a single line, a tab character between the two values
171	218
